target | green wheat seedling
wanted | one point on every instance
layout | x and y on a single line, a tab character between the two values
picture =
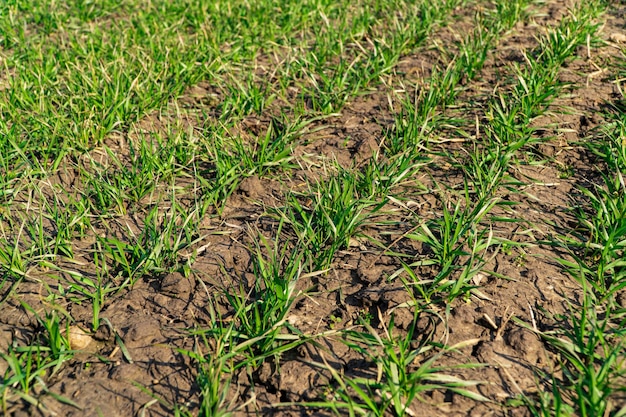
273	151
590	341
95	290
486	171
117	186
490	26
423	114
591	358
379	177
599	243
215	368
14	261
329	214
120	263
224	174
407	36
23	367
602	259
418	117
244	98
27	368
404	372
509	128
10	182
215	355
538	85
604	220
104	195
156	250
234	158
221	352
152	160
331	88
363	60
55	337
458	245
29	228
69	220
43	245
609	145
260	313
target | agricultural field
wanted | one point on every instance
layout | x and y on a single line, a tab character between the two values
313	207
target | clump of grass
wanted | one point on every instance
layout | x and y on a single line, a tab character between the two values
28	366
260	312
158	247
256	329
458	245
590	362
236	158
406	368
327	215
215	356
510	115
424	113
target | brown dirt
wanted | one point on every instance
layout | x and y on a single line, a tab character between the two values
153	318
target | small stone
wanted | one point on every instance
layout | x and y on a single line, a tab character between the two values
78	338
617	37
